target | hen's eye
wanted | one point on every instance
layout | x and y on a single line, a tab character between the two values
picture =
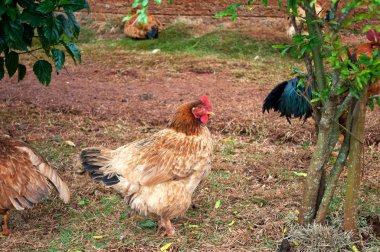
193	108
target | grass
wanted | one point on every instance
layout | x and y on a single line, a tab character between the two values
177	38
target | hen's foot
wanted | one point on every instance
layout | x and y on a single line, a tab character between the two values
6	232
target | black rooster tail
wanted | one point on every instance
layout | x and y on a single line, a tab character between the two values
290	100
95	161
153	33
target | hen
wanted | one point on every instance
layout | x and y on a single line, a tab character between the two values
25	179
289	97
141	30
158	175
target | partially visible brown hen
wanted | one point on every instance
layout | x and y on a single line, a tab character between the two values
158	175
25	179
141	30
368	49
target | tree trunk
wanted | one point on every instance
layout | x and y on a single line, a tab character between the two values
355	162
334	175
319	159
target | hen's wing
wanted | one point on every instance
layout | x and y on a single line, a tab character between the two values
167	155
25	177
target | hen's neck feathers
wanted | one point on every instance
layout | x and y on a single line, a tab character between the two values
184	121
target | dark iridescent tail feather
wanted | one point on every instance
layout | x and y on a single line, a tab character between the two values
288	98
153	33
93	161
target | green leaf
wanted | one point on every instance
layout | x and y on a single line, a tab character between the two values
46	6
66	25
371	104
377	98
28	34
11	63
74	5
21	72
166	247
59	59
12	12
75	28
34	18
73	50
27	4
3	45
218	203
355	249
300	174
126	19
2	72
42	69
15	31
3	9
44	42
53	30
148	223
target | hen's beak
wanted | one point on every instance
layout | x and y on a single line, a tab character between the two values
210	114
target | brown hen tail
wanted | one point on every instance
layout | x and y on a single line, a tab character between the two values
47	171
52	175
95	161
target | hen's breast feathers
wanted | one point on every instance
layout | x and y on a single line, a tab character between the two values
165	156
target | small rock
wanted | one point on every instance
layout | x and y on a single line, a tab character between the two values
145	96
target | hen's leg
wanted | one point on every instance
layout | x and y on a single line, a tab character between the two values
168	226
5	225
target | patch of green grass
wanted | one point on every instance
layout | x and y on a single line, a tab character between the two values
177	38
56	152
87	35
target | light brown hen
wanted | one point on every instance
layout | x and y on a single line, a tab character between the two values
158	175
25	179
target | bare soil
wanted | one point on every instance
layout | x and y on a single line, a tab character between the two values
117	96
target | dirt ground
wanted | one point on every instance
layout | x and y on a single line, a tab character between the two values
111	99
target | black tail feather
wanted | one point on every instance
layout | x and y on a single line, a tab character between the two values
90	161
273	100
290	99
153	33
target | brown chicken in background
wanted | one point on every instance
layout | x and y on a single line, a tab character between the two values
141	30
158	175
300	20
25	179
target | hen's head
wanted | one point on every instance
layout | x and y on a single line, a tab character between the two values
202	110
190	117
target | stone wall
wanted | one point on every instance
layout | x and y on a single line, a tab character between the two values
261	22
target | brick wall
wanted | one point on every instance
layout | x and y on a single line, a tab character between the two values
261	22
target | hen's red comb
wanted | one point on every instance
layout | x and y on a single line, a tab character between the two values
205	100
373	35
